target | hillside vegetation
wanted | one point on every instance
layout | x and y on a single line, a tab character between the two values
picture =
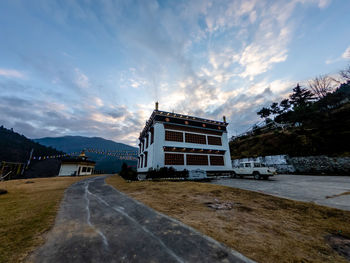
309	123
16	148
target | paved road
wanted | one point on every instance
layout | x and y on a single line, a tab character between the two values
299	187
96	223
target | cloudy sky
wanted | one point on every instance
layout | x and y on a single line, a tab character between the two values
95	68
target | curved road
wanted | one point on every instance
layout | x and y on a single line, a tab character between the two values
97	223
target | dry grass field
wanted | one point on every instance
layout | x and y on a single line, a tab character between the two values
262	227
27	211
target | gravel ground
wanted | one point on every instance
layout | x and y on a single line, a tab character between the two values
318	189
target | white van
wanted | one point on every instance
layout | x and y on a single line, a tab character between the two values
256	169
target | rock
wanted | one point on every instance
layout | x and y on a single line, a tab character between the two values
3	191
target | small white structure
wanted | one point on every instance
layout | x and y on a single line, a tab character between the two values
78	166
197	174
183	142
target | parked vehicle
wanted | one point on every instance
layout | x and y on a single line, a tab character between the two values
258	170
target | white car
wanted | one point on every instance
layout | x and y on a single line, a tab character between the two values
258	170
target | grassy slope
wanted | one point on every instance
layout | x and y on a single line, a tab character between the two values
26	212
262	227
326	134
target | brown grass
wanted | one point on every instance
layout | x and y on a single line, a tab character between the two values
262	227
26	212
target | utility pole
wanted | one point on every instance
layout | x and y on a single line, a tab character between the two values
30	157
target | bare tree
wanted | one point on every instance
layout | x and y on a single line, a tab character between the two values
345	74
321	85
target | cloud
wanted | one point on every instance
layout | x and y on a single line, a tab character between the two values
199	57
11	73
202	90
37	118
323	3
346	53
81	80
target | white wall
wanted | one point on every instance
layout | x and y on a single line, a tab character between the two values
68	169
156	151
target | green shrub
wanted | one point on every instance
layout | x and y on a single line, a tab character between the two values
128	173
166	172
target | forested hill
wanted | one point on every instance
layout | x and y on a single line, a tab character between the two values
107	164
77	143
307	125
16	148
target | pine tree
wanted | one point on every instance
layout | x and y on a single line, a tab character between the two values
264	113
285	105
301	97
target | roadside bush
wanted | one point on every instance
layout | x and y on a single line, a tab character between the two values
166	172
127	173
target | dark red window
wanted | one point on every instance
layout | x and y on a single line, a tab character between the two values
174	136
152	135
195	138
217	160
173	159
212	140
196	159
146	154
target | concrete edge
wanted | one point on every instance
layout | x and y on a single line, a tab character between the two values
314	202
233	252
29	258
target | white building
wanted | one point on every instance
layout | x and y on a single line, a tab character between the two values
78	166
183	142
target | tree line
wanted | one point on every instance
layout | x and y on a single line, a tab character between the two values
321	95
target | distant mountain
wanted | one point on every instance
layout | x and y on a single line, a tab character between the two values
108	164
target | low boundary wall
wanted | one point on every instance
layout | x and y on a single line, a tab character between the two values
305	165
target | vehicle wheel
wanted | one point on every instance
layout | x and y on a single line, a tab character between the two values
233	175
256	175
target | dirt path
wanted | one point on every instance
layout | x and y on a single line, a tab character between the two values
96	223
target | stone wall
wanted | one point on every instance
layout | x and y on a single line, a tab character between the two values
321	164
303	165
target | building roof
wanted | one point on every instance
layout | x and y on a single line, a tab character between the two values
176	118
